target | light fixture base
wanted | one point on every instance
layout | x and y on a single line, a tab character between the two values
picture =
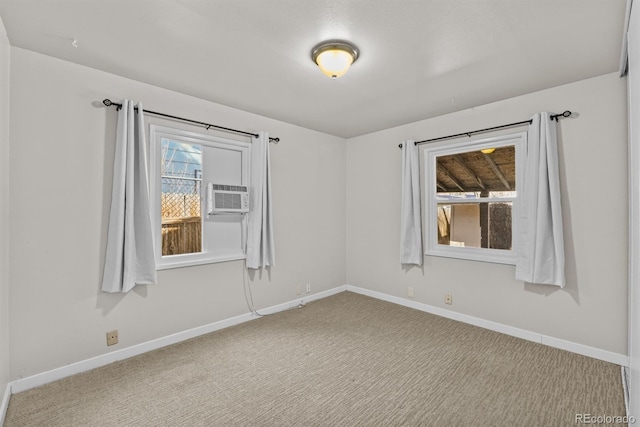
349	52
334	44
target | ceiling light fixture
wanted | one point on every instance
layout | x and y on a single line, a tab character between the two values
334	57
488	150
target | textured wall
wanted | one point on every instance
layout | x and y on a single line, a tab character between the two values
61	163
592	309
4	209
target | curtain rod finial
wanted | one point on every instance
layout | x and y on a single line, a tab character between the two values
107	102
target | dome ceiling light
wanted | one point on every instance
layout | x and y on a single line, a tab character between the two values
334	57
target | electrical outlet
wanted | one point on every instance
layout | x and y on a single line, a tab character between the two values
112	337
298	289
308	287
410	293
448	299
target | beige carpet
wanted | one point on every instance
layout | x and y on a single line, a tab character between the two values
347	360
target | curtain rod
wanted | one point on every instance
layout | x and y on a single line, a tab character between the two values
555	117
109	103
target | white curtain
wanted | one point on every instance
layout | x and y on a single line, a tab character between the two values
540	252
260	242
130	257
410	221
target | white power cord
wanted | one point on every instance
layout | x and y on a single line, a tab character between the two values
248	296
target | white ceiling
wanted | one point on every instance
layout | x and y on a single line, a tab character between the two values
419	58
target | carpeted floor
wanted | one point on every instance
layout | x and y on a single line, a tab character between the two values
346	360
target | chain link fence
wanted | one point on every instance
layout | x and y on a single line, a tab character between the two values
181	217
180	197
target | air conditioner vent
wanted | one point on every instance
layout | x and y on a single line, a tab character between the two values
221	187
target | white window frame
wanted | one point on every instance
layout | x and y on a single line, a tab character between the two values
208	255
431	152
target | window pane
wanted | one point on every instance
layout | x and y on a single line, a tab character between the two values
476	225
181	194
477	174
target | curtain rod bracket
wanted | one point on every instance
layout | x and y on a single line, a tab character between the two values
556	117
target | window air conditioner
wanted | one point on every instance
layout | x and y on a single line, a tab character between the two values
227	199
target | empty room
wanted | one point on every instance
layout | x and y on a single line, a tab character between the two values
319	213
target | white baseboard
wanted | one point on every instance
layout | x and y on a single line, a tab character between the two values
585	350
5	403
105	359
625	387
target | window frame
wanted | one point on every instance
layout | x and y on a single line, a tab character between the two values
207	255
431	152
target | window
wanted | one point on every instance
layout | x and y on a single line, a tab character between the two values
182	165
471	199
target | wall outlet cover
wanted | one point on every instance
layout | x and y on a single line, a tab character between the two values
112	337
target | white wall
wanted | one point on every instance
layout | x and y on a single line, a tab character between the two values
4	210
61	163
633	81
592	309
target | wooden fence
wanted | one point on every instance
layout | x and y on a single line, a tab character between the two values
181	223
181	235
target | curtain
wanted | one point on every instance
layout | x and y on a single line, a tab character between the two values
410	221
540	252
260	241
130	256
624	55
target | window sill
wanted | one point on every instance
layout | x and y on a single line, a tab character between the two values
494	256
189	261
